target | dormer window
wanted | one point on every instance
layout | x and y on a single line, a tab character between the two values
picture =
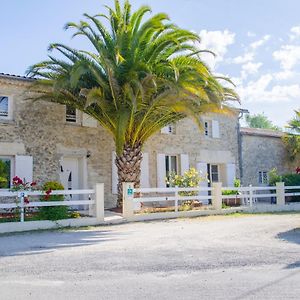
4	107
71	114
169	129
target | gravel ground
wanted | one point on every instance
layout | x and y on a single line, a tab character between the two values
232	257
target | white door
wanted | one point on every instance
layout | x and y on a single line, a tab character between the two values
69	175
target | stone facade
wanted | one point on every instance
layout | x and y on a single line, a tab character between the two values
262	150
39	130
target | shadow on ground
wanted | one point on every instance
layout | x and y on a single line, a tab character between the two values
292	236
48	241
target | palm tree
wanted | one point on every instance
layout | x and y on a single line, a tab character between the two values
292	139
141	76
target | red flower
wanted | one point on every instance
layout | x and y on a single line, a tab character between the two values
48	192
26	200
33	183
17	180
298	170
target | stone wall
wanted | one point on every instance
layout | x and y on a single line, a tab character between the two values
262	150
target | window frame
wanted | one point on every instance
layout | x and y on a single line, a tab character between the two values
168	158
263	177
12	168
207	128
76	119
9	108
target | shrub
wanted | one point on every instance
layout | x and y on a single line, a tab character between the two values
237	183
53	212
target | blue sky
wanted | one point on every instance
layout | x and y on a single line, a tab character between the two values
257	42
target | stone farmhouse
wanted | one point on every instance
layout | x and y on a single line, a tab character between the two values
44	141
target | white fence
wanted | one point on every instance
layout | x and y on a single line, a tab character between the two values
91	198
211	200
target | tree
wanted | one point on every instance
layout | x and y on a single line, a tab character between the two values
260	121
142	75
292	138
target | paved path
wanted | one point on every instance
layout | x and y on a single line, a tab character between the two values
248	257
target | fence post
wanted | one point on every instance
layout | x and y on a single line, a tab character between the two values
250	195
21	198
216	195
128	206
99	202
176	198
280	193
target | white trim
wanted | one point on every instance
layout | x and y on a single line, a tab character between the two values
10	108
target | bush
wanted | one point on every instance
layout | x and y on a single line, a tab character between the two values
237	183
53	212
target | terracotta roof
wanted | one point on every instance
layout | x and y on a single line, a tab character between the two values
261	132
16	77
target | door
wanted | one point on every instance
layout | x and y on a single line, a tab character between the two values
69	175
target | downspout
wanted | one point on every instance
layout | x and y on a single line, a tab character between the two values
239	140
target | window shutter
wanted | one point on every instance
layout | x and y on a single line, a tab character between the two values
24	167
145	171
114	175
230	174
184	163
215	129
165	130
202	169
161	170
88	121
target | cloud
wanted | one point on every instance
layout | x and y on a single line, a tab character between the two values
261	90
218	42
246	57
251	34
295	33
260	42
250	68
288	56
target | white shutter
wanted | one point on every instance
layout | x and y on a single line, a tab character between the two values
165	130
145	171
24	167
230	174
202	169
161	170
184	163
88	121
114	175
215	129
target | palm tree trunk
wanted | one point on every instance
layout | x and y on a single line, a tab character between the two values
129	168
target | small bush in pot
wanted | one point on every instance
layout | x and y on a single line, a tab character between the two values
53	212
232	201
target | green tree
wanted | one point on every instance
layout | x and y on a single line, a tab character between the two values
292	138
260	121
142	75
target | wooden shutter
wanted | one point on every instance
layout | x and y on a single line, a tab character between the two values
145	171
114	175
88	121
230	174
215	129
161	170
184	163
24	167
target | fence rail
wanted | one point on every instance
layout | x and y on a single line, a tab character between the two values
94	199
210	198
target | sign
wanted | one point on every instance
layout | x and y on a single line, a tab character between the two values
129	191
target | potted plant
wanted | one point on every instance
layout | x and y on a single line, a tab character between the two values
232	201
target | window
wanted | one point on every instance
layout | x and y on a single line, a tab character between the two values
171	164
214	173
71	115
263	177
208	128
5	172
4	107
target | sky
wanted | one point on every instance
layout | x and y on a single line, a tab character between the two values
257	42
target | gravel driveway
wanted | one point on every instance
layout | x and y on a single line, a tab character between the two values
245	257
